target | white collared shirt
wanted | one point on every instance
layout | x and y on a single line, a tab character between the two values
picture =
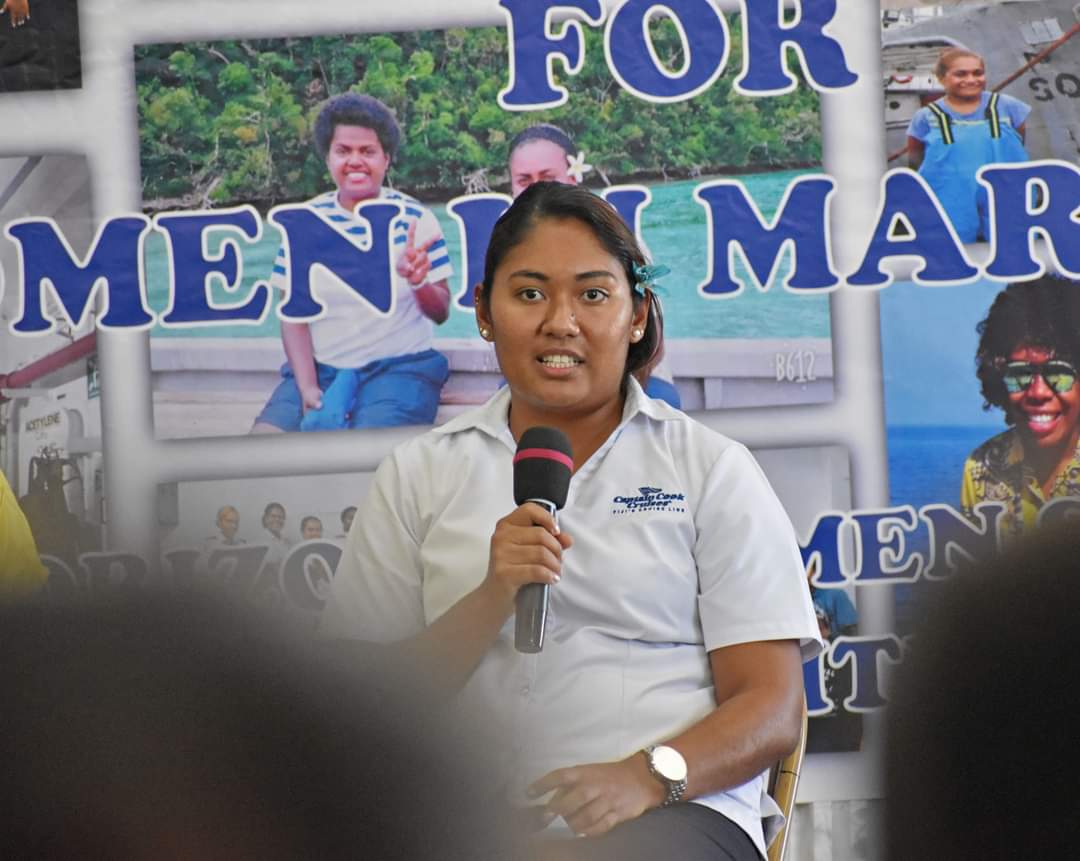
680	547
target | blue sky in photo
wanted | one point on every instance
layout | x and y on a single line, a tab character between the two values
928	343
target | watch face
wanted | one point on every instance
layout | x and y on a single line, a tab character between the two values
669	763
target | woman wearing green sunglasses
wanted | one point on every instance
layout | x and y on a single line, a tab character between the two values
1029	347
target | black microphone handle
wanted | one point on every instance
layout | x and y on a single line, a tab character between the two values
531	605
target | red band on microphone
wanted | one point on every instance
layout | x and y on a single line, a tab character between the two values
547	454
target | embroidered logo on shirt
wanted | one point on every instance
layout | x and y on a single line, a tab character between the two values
649	499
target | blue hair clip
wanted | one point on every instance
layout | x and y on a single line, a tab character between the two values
646	274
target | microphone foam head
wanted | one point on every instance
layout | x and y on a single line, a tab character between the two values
542	466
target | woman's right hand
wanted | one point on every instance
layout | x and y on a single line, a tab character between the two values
526	547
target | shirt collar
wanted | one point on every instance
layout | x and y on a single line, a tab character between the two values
1008	467
491	417
984	101
1061	486
1015	454
332	196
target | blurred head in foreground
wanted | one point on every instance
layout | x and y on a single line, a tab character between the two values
161	729
981	758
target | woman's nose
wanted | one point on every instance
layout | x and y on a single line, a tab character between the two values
1039	389
560	319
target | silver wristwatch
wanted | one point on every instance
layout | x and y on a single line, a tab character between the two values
668	766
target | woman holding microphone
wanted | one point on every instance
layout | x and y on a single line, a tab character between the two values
670	678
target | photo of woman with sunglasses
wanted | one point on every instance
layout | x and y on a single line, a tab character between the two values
1029	346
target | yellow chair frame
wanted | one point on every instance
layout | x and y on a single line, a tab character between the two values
783	783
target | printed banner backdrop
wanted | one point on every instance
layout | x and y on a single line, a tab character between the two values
50	421
230	123
224	124
862	404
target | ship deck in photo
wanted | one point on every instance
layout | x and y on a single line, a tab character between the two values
217	386
1008	35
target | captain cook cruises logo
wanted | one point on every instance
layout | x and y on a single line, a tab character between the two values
649	499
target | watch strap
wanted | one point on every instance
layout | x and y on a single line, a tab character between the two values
674	788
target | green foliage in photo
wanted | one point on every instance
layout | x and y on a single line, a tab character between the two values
229	122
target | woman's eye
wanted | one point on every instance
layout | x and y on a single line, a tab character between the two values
531	294
595	294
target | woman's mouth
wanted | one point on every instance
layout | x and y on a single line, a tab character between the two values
1041	424
559	361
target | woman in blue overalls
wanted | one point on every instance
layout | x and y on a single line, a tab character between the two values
950	139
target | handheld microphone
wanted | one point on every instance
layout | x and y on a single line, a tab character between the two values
542	467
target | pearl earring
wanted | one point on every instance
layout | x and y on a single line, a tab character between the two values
485	333
636	334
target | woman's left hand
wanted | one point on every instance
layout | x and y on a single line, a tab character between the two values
595	798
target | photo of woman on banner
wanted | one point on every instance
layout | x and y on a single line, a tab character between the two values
544	152
669	679
839	729
1028	351
352	367
951	138
227	523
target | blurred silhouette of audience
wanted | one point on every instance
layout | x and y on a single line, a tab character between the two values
162	727
981	760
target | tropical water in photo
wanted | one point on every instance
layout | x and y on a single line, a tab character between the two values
674	228
925	463
925	467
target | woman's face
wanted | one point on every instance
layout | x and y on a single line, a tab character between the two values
357	163
1043	417
536	161
274	520
561	316
229	523
965	78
